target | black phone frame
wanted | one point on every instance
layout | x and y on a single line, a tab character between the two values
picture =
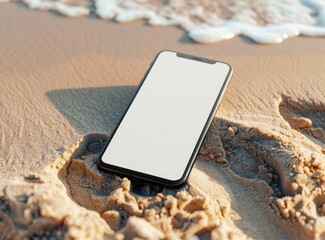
151	178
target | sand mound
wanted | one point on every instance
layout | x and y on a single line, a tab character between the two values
41	211
170	213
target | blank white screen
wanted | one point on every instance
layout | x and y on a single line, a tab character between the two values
159	132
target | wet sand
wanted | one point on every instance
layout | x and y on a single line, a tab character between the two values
65	84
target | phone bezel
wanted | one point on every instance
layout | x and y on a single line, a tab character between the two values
152	178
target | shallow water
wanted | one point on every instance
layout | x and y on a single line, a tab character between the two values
266	22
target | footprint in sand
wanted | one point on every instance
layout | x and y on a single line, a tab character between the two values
294	171
245	151
308	208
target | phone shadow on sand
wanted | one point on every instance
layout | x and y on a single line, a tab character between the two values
91	110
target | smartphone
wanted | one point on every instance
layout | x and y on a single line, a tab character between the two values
160	134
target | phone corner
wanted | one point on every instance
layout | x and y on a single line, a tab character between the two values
230	68
166	51
99	162
178	182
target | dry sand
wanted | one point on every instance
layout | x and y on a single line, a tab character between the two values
260	173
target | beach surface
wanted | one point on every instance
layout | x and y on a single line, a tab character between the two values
65	83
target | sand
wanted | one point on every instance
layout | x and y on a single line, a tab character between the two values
65	84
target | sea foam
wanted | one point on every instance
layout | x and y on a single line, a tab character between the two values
265	22
58	6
